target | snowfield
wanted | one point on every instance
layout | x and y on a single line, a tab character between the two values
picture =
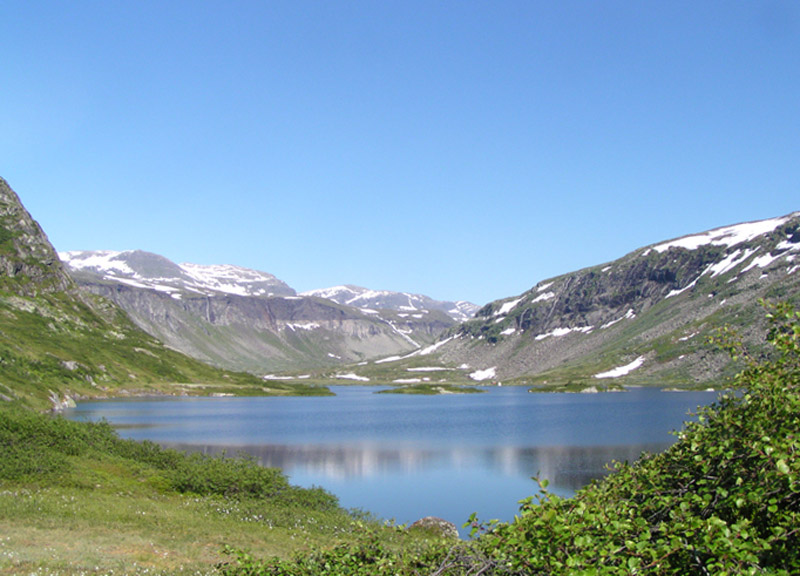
622	370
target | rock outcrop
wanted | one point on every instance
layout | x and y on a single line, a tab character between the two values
29	264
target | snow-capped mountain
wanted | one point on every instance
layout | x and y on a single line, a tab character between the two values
146	270
245	319
646	316
403	302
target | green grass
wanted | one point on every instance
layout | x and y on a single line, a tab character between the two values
75	498
59	345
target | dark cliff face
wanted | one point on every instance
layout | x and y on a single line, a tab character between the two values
29	264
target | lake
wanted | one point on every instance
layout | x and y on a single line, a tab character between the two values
404	457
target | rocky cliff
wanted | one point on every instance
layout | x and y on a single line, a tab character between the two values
28	263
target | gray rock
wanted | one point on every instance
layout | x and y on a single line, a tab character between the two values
436	525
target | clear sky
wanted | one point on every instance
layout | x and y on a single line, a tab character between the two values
463	150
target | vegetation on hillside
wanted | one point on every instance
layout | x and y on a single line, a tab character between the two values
58	345
724	499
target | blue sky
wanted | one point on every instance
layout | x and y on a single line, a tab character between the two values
463	150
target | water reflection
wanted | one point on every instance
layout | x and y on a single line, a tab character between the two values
406	457
568	468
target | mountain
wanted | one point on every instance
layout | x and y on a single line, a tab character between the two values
58	342
401	301
645	315
146	270
245	319
643	319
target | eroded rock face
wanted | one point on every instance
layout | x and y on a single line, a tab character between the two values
29	265
437	525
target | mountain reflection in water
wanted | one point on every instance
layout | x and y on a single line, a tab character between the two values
404	456
568	468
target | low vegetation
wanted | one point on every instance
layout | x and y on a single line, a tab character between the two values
58	345
77	499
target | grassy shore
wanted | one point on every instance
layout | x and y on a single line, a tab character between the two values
77	499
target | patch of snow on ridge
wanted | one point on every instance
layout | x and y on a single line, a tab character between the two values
303	326
543	297
544	287
629	315
558	332
225	278
432	348
480	375
508	331
682	290
762	261
730	262
102	260
507	307
622	370
726	236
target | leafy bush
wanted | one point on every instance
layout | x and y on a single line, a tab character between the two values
724	499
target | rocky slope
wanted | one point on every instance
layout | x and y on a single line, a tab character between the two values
645	316
28	263
245	319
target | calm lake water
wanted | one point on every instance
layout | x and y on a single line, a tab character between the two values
403	457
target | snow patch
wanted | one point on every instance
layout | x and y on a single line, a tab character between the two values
629	315
480	375
622	370
428	369
351	376
682	290
507	307
726	236
761	262
543	297
558	332
728	263
303	326
544	287
508	331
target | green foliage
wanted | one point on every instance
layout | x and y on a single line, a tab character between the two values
724	499
36	448
368	551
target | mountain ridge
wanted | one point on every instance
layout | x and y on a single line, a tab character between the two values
715	275
246	319
642	319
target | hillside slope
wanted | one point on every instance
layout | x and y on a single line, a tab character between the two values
58	342
644	316
244	319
